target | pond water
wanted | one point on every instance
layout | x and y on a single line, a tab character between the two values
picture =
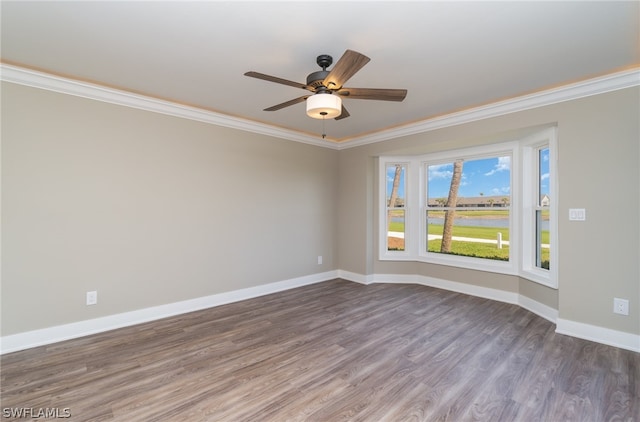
474	222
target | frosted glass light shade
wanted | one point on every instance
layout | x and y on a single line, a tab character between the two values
325	106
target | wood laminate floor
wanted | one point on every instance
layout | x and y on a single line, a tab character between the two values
332	351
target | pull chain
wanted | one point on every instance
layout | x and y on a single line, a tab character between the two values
324	135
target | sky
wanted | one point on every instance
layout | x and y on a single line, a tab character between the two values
486	176
544	172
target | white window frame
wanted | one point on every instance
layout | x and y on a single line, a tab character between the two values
409	206
468	154
521	227
530	203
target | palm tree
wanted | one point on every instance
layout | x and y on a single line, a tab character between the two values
394	191
451	202
396	185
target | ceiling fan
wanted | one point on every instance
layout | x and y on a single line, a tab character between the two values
327	87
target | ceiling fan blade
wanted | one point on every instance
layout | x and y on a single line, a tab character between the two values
350	62
343	115
373	94
287	103
277	80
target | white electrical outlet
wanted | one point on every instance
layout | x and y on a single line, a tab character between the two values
92	298
577	214
620	306
319	259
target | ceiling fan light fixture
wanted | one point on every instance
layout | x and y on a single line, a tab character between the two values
324	106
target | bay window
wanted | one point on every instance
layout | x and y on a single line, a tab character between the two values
488	208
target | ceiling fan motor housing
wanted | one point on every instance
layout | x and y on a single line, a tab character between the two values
315	79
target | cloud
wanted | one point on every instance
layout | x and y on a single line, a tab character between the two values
544	176
504	164
441	171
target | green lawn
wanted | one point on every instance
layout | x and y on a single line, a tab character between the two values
475	249
468	231
461	231
479	250
473	231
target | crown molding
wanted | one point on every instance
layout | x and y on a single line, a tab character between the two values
35	79
595	86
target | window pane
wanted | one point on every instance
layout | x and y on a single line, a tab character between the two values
484	182
475	233
395	230
542	214
396	184
479	218
543	177
438	184
542	239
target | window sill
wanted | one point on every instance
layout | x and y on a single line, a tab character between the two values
540	277
478	264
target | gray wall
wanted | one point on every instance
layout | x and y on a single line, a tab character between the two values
599	157
148	209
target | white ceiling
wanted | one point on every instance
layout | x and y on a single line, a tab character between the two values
450	56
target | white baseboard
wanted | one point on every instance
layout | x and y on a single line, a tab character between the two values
602	335
469	289
589	332
355	277
35	338
58	333
538	308
454	286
